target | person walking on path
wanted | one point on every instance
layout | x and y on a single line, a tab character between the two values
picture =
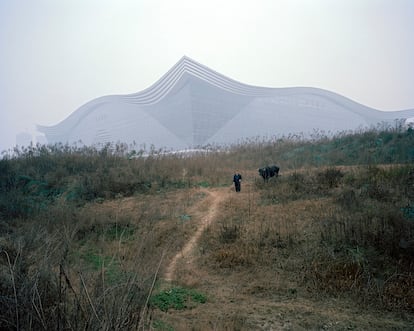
237	179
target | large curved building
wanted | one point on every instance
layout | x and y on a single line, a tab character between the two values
194	106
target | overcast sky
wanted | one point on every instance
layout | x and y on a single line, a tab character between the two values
56	55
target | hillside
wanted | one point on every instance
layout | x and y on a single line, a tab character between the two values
254	273
94	239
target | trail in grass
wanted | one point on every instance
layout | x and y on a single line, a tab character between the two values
248	298
213	198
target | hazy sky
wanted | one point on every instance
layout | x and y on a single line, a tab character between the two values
55	55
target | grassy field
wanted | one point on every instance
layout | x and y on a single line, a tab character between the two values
110	239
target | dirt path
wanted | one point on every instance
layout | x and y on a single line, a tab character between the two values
242	299
186	255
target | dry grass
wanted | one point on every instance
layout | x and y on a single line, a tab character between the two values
320	247
91	267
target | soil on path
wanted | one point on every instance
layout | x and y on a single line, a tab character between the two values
186	255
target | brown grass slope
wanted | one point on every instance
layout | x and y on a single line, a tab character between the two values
265	265
94	240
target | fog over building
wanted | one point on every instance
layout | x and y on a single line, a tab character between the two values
24	139
194	106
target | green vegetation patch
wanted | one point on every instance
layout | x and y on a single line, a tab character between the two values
109	265
185	217
119	231
177	298
162	326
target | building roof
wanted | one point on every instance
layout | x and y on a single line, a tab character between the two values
193	106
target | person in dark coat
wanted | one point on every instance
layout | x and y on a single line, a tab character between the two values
237	179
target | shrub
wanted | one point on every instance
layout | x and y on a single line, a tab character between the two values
177	298
330	177
229	233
